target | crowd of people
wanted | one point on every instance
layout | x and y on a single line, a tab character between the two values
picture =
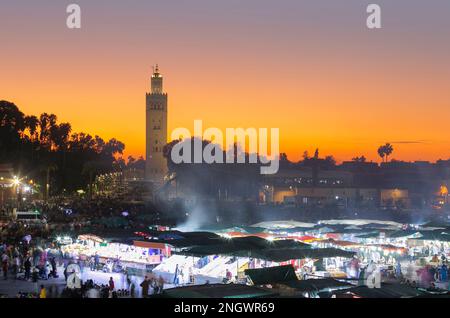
27	262
35	264
152	285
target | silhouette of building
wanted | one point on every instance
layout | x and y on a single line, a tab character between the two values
156	130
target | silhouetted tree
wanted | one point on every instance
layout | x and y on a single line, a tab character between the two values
316	154
385	151
388	149
359	159
37	146
305	155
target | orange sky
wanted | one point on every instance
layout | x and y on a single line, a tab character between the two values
335	85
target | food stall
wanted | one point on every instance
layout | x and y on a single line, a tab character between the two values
117	255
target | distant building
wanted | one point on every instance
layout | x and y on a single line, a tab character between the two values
336	187
128	184
390	198
133	174
156	130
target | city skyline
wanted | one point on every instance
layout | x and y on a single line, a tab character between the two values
327	83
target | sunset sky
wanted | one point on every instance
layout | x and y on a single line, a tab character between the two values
310	68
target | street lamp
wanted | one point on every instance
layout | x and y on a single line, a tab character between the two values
16	184
16	181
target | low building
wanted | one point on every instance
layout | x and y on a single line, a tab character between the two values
342	197
306	187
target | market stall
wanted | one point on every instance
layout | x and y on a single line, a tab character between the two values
117	255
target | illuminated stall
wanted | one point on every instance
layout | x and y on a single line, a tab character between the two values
136	254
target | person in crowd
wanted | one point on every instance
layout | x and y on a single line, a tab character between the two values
362	277
43	292
104	291
160	284
45	270
5	265
398	270
191	278
96	261
145	287
27	266
411	255
16	265
54	268
66	274
433	273
176	276
228	275
93	292
92	263
443	273
128	278
111	284
81	264
154	285
35	275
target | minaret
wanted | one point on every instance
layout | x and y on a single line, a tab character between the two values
156	129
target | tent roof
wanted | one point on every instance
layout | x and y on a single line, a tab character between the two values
339	242
360	222
283	224
111	234
241	246
434	236
386	291
437	224
296	229
218	291
318	285
272	252
282	255
402	233
183	239
271	275
369	235
232	228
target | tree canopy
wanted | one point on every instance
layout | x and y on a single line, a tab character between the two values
40	145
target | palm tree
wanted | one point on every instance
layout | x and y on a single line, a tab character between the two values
60	135
47	123
388	149
381	152
385	151
31	123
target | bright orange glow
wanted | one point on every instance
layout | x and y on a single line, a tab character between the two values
112	104
318	75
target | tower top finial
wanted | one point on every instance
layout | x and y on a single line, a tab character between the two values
156	71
